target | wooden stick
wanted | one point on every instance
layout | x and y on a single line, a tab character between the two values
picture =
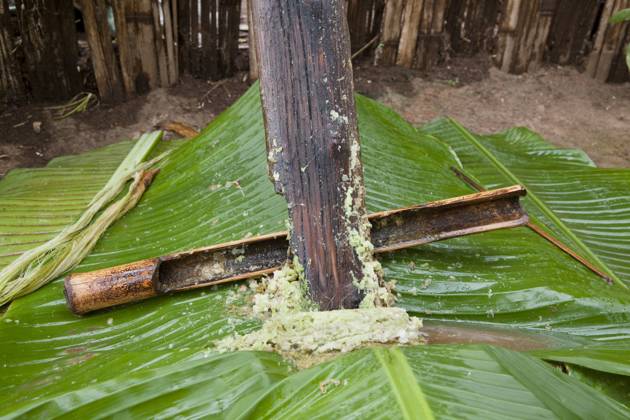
312	138
254	257
251	33
366	46
531	225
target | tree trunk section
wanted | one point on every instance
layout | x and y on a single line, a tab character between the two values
312	139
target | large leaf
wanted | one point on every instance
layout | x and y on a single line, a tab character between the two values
435	381
214	188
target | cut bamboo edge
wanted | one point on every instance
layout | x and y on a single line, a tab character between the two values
255	257
541	232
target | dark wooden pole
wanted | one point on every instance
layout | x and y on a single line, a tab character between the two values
312	139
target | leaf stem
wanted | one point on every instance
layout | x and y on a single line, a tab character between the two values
538	202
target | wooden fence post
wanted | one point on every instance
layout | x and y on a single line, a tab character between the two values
409	34
313	141
471	25
50	47
523	34
390	32
183	35
571	30
11	86
104	60
251	33
609	42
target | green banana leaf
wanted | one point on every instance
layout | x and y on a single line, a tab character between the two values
502	310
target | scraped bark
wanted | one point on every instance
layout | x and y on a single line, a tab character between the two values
312	138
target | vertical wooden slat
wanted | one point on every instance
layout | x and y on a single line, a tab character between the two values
141	27
619	70
11	86
160	43
508	34
251	32
608	43
170	31
231	36
409	34
184	39
471	26
195	36
104	60
208	46
524	32
50	48
391	29
569	38
124	47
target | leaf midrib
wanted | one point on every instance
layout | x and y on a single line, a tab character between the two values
538	202
405	387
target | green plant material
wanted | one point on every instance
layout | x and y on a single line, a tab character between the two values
620	17
370	282
36	267
492	167
295	328
283	293
79	103
409	395
455	381
153	359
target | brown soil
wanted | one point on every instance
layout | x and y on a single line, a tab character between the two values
566	107
188	102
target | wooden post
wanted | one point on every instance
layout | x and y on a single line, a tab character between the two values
124	47
313	142
169	8
471	25
409	35
229	45
104	60
392	21
523	34
608	43
11	86
142	37
183	35
570	31
160	44
251	33
50	47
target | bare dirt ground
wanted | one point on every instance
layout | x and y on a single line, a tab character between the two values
566	107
